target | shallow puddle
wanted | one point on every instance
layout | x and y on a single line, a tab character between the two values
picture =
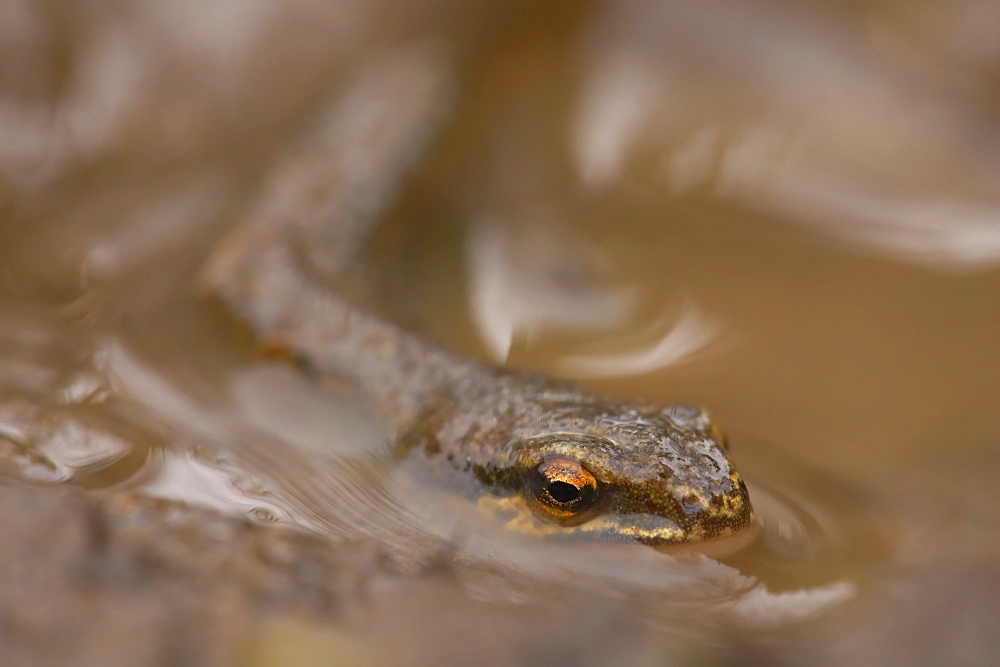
790	216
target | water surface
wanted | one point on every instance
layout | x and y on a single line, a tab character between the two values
789	216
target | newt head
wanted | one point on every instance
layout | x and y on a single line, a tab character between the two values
655	475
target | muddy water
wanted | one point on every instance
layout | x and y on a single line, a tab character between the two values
791	217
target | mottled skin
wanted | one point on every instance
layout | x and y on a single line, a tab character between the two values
662	472
555	458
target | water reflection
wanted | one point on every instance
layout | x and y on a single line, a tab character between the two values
317	471
535	277
661	344
276	446
182	476
818	128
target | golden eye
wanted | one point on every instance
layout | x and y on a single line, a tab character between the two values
563	487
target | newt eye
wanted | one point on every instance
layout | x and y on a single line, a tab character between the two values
562	487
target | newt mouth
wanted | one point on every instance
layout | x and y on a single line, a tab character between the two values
729	533
663	533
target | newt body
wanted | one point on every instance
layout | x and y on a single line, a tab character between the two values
565	460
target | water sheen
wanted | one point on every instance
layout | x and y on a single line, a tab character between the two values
787	216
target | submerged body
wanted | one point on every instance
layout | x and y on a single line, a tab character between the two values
571	462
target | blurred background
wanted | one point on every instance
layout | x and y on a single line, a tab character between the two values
786	212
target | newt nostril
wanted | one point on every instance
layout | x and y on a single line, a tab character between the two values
692	503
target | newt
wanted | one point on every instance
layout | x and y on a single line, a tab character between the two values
562	459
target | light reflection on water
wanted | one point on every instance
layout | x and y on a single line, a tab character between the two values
328	470
825	127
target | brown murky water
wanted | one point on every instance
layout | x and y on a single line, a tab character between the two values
789	215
